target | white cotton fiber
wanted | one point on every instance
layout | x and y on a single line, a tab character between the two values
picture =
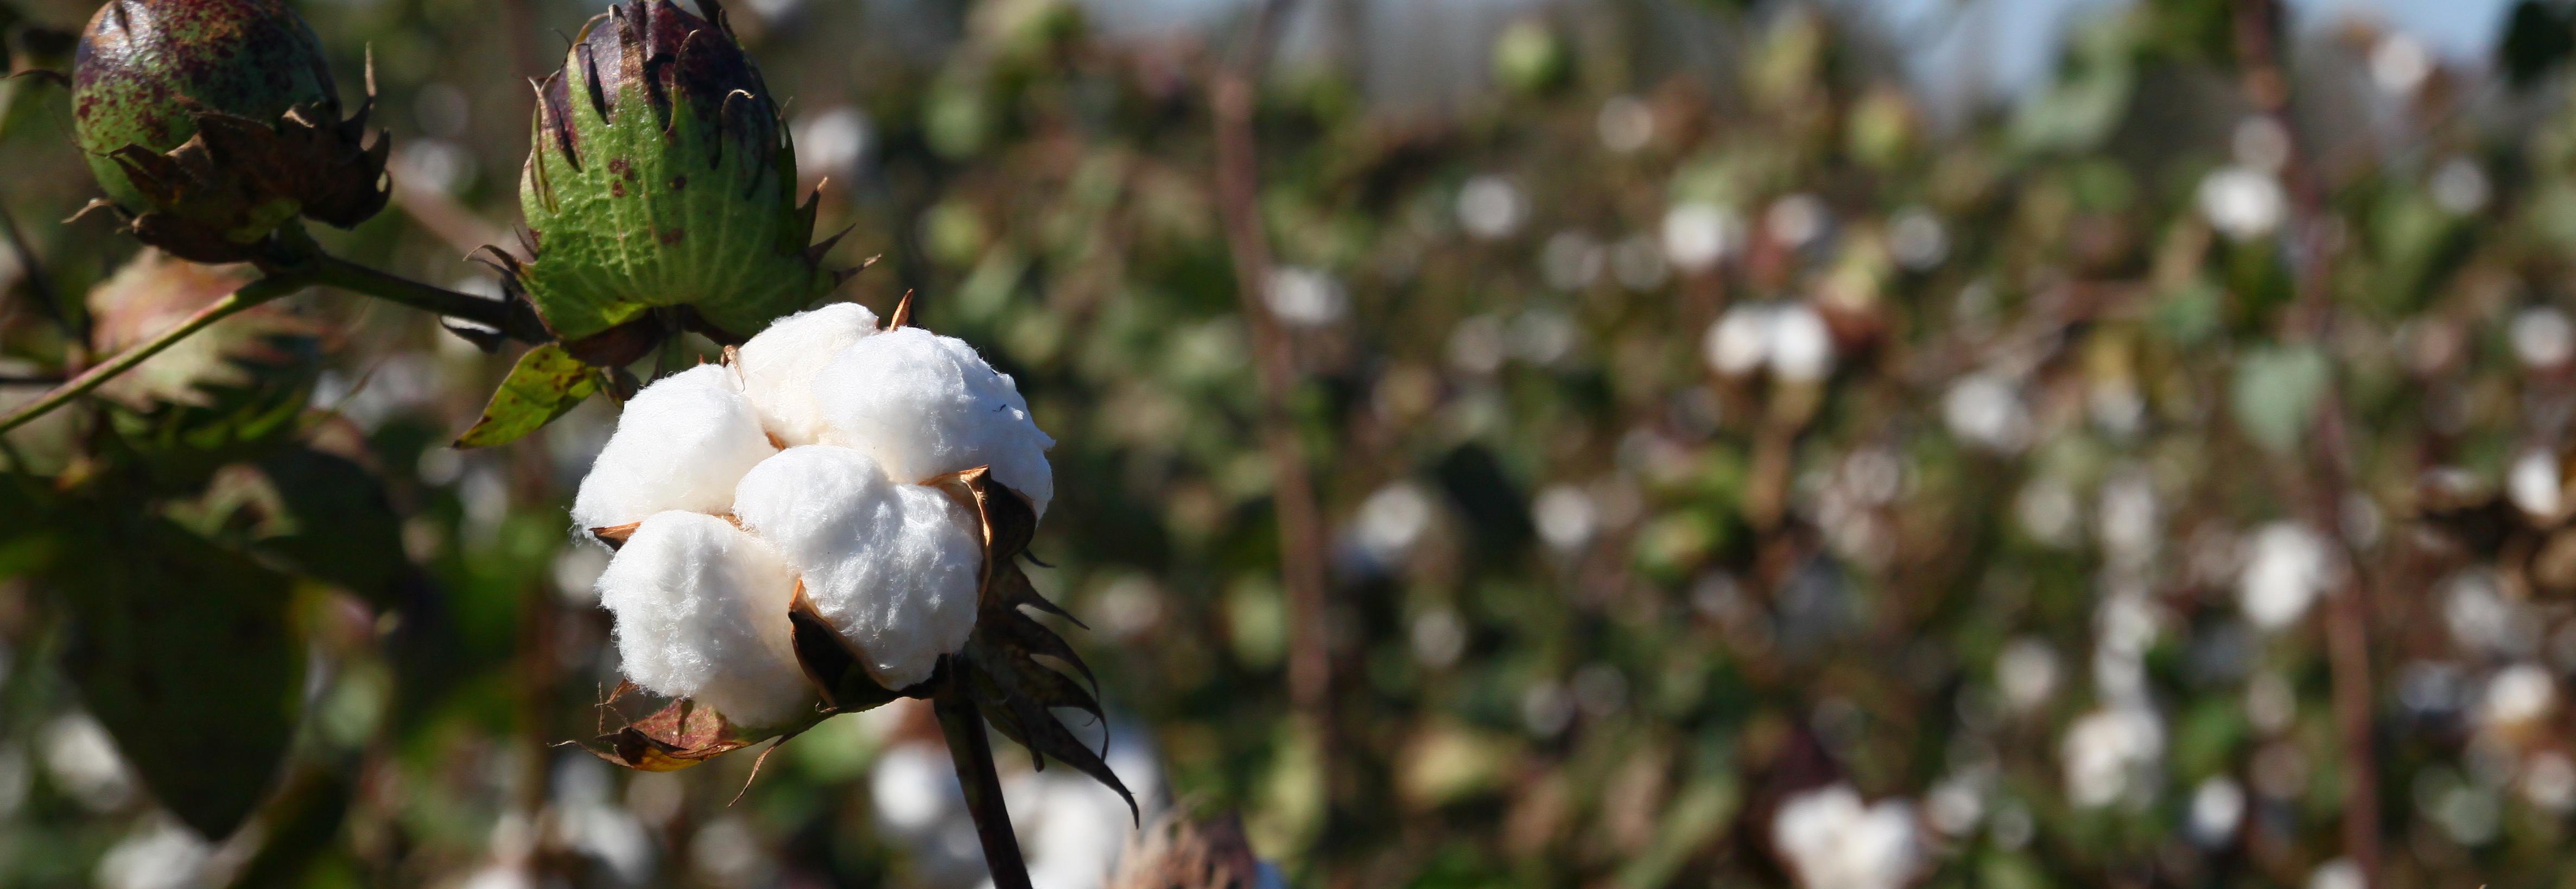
682	443
778	367
701	612
894	566
925	405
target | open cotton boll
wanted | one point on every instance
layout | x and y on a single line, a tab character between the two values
894	566
925	405
778	366
681	444
701	613
1832	840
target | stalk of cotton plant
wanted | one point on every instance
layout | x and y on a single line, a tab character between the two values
830	520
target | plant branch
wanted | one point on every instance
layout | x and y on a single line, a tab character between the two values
252	294
1302	554
514	320
2310	243
295	263
972	751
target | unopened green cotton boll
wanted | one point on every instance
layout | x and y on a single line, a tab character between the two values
701	613
893	566
681	444
209	123
924	405
660	176
145	67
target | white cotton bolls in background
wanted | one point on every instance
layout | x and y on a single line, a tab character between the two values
894	566
2533	484
924	405
778	366
2112	753
681	444
1834	841
1802	348
2518	696
1789	337
2286	568
1740	340
2243	203
701	613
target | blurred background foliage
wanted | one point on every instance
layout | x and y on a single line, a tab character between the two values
1702	414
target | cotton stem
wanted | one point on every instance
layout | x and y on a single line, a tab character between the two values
252	294
972	751
514	320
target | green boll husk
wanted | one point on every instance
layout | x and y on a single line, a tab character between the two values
210	123
661	176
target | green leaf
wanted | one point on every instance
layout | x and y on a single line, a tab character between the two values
301	826
184	651
307	511
336	523
2537	38
547	382
2275	394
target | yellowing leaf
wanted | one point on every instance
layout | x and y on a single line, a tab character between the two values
546	383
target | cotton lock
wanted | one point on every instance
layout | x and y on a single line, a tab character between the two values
893	566
778	367
681	445
701	612
925	405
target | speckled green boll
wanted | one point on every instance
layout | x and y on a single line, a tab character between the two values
211	123
145	66
660	176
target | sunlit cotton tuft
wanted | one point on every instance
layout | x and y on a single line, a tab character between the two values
924	405
893	566
682	444
701	612
778	367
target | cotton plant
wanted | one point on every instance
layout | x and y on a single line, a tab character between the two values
825	521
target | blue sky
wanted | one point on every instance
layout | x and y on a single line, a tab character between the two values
2020	37
2003	46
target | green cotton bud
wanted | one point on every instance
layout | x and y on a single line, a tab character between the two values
661	176
210	123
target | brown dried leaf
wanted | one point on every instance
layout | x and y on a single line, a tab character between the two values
615	535
1008	519
218	194
676	737
1019	714
902	308
1180	852
1022	633
618	346
154	292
